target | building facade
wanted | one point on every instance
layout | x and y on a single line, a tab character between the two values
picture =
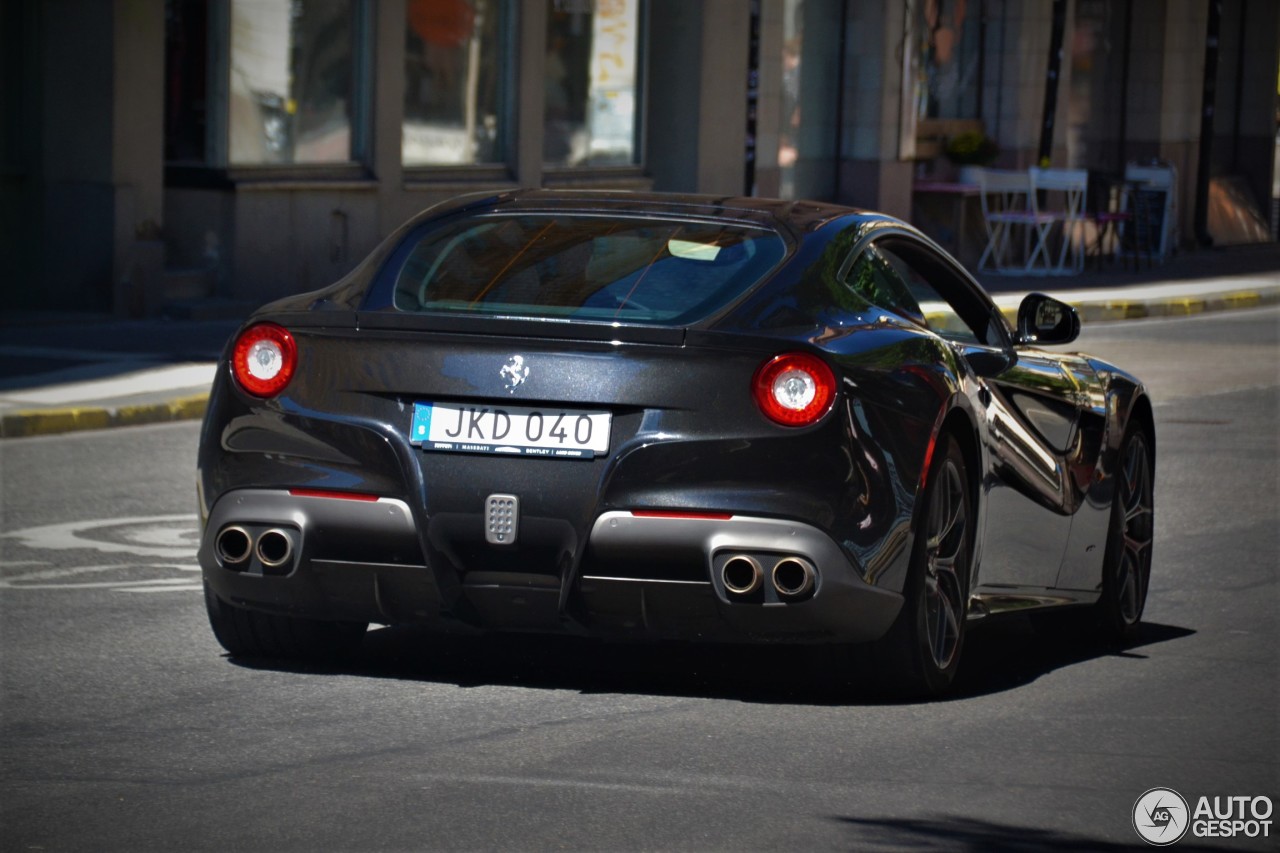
165	152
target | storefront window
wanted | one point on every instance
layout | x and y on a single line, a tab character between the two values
453	93
591	77
950	44
292	81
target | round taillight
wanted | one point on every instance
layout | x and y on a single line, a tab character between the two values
264	359
794	389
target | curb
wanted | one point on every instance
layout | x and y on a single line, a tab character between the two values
1181	306
55	421
1176	307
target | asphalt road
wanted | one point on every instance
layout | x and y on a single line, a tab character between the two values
123	727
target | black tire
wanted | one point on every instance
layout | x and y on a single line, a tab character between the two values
921	653
1126	571
251	634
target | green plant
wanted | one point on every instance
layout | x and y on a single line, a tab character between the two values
972	148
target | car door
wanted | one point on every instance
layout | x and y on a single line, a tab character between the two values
1032	427
1032	417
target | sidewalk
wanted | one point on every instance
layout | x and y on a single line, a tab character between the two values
65	372
1157	299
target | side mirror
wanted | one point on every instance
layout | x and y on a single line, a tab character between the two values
1044	320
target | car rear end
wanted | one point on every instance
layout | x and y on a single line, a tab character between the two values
519	429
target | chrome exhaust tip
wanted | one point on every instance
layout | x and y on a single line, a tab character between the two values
741	575
794	578
233	545
275	547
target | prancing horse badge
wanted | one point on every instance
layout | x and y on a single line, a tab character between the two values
514	373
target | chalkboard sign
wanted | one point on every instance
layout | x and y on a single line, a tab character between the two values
1152	200
1148	221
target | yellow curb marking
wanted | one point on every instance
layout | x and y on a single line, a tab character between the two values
1242	299
34	422
1186	306
189	408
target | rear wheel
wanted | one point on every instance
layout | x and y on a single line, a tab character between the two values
249	633
922	650
1127	567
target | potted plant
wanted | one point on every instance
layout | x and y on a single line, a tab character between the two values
971	149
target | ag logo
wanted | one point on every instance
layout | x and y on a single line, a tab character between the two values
1161	816
514	373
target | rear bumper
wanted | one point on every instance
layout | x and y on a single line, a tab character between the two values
639	576
839	607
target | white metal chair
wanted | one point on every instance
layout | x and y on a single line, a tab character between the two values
1058	197
1009	204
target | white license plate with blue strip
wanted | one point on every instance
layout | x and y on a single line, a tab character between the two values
517	430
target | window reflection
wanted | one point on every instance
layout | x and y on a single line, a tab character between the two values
453	92
906	286
292	64
590	82
950	44
595	268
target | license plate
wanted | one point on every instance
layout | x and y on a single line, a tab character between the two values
518	430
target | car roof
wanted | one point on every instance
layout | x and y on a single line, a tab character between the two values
797	216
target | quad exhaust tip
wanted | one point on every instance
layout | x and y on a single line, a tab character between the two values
233	545
742	575
275	547
794	578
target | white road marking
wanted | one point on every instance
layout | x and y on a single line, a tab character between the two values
43	579
166	537
156	539
167	584
175	588
161	536
14	581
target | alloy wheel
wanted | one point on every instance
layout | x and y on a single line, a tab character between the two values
945	556
1137	525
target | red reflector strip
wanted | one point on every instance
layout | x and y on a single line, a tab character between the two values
928	460
324	493
680	513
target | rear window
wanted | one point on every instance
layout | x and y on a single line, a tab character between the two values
585	267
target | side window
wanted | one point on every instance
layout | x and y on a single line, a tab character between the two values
939	314
875	278
908	279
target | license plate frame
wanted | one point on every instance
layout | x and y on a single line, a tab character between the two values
542	431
